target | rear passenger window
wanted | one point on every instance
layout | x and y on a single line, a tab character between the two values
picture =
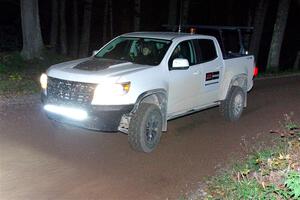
206	50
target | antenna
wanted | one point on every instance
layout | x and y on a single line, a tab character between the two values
180	17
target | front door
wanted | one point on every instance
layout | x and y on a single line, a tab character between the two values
184	85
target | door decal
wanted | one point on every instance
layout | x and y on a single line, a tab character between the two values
212	76
211	83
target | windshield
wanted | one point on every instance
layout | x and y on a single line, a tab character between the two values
145	51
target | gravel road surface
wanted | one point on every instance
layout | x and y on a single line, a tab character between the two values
41	161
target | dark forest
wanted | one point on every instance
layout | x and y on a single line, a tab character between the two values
77	27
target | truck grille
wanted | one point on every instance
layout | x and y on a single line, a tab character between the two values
63	91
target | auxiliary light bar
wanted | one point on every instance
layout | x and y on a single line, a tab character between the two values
72	113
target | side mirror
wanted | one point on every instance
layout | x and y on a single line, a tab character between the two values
95	52
180	63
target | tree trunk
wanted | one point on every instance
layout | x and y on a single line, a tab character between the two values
54	24
105	22
63	28
258	24
247	36
230	10
137	15
185	11
31	30
110	18
297	62
75	38
173	11
278	33
86	29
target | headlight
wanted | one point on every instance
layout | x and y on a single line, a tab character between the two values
43	81
109	91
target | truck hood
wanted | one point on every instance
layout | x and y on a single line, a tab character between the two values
93	70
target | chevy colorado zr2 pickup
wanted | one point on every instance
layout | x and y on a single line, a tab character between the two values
139	81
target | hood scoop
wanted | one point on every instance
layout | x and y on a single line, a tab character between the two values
97	64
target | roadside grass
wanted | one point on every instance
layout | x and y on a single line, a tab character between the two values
266	173
18	77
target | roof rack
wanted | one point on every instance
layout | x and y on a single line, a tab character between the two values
211	27
220	29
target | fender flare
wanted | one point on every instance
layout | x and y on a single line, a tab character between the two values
158	97
240	80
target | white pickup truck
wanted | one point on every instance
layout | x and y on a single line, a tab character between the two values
139	81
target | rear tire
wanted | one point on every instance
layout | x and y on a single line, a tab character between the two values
145	128
232	107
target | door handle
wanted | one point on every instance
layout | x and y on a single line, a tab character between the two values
196	72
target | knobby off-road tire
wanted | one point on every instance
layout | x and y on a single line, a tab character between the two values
232	107
145	128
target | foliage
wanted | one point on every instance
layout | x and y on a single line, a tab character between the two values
272	173
15	77
288	128
11	62
10	38
12	87
293	184
18	76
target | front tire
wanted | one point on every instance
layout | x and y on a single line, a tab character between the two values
232	107
145	128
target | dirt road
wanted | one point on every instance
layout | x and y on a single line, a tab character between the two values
40	161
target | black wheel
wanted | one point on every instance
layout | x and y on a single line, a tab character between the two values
145	128
232	107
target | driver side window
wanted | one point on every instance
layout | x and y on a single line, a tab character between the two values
185	50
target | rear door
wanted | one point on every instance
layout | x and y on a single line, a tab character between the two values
211	66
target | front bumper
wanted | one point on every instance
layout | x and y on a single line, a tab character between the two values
101	118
